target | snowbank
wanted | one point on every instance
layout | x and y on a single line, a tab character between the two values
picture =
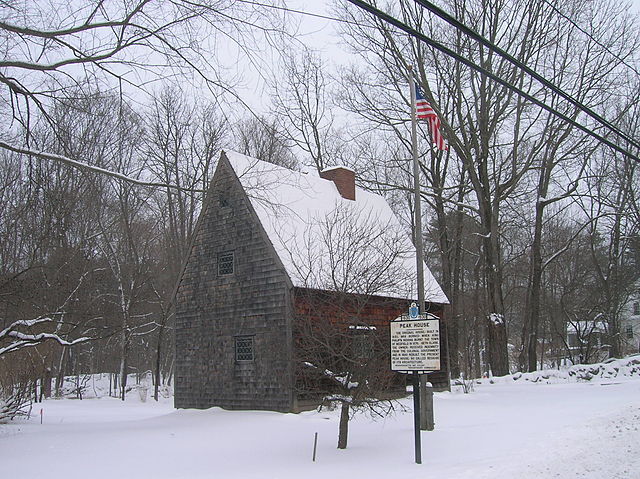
628	367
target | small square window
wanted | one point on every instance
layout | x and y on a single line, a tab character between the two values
362	346
244	348
225	263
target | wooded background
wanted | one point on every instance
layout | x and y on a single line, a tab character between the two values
530	223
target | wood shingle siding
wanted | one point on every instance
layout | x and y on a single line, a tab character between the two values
212	309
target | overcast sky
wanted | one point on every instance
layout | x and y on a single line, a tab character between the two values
320	34
319	30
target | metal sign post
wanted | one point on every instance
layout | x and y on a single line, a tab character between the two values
417	442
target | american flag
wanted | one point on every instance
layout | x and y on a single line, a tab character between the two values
425	112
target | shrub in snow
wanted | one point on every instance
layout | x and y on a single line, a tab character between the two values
15	395
465	384
14	402
75	386
89	386
344	366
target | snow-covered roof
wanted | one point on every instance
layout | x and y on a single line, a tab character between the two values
586	327
327	242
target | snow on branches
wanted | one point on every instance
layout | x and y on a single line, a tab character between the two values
20	334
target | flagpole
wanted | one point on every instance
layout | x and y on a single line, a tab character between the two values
417	238
417	198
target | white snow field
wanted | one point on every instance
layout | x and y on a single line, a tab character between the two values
558	427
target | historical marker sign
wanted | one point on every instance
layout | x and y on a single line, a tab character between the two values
415	345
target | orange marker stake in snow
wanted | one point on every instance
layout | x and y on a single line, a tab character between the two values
40	415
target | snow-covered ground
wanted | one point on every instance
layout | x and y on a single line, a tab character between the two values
552	428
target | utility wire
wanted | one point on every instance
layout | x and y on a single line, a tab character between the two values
299	12
514	61
607	49
447	51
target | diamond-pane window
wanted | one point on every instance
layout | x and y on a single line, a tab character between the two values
225	263
244	348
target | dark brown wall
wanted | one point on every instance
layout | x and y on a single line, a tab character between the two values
212	310
371	311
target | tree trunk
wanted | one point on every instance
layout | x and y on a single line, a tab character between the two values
61	370
529	355
46	385
495	321
614	296
158	356
123	363
344	426
477	330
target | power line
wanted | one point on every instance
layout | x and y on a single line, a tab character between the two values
514	61
607	49
299	12
456	23
447	51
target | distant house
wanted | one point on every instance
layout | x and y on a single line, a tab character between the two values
630	325
272	246
587	341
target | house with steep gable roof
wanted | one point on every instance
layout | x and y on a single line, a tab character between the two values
273	245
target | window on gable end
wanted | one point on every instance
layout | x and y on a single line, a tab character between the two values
226	263
223	199
244	348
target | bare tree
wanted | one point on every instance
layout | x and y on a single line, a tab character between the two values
351	262
182	145
261	138
344	360
301	99
612	231
561	155
496	138
127	45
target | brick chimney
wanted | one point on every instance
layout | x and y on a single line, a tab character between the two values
344	179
